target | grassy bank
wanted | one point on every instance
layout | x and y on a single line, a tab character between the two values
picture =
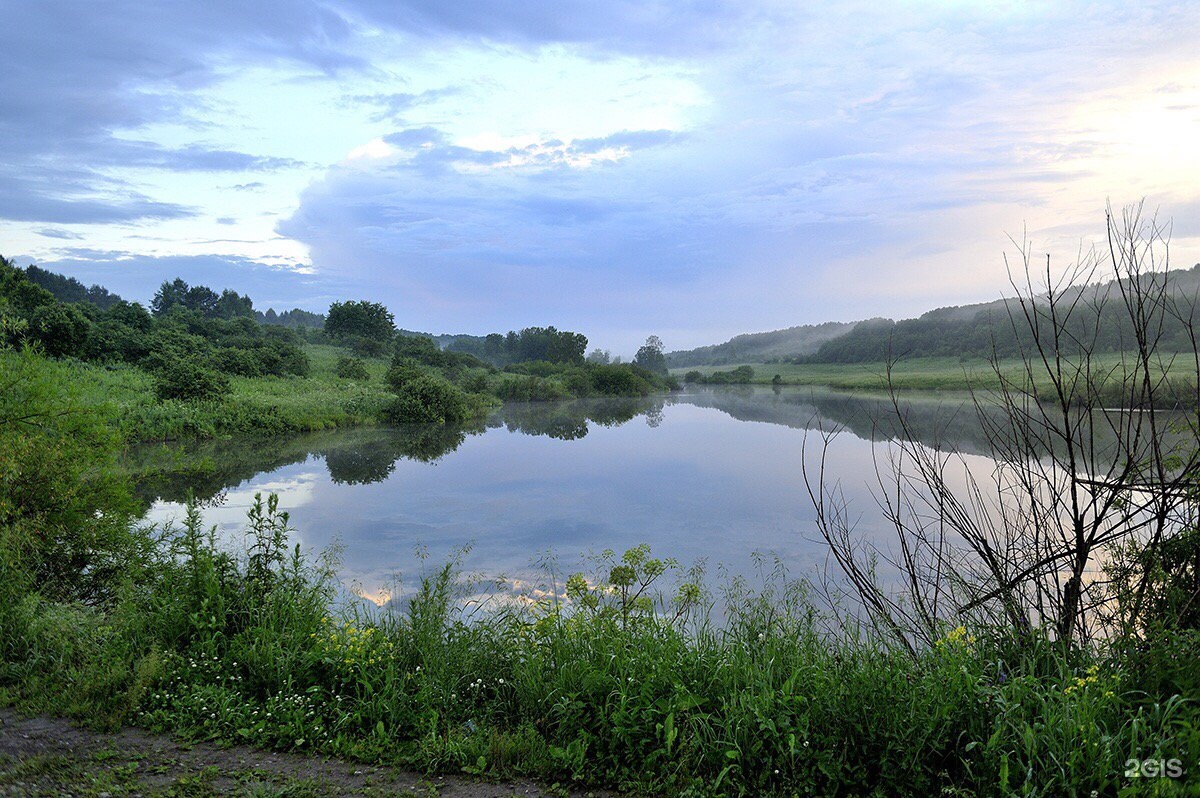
606	681
124	395
928	374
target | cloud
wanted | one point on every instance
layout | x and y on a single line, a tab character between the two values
43	200
659	27
79	73
58	232
393	107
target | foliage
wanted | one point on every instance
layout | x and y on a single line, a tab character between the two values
532	343
68	289
64	517
361	319
424	398
602	679
60	329
650	356
187	380
1158	583
742	375
351	368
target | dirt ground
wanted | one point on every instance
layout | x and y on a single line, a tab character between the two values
52	757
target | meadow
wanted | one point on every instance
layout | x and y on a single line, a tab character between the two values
936	373
124	394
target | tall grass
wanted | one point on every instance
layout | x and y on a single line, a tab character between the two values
606	678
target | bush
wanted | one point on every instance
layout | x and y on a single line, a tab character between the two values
428	399
365	347
351	368
189	381
60	329
619	380
243	362
64	514
520	388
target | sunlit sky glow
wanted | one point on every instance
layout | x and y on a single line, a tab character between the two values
689	169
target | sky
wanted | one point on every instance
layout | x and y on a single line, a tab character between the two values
691	169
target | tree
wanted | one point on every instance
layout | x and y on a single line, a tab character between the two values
169	295
1090	456
601	356
361	319
61	329
232	305
650	356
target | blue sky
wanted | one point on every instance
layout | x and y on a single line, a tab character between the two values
688	169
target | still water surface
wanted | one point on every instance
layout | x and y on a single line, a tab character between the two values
712	475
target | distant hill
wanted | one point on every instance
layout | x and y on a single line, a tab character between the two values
976	331
762	347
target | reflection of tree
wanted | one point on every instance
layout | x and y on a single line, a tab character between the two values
430	442
371	461
568	421
173	472
358	456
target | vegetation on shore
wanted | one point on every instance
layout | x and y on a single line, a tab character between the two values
947	374
198	364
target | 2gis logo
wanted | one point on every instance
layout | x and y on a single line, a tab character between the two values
1153	769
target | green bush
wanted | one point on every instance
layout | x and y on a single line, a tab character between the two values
351	368
428	399
61	329
189	381
64	515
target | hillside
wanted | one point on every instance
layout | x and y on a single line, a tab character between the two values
977	331
762	347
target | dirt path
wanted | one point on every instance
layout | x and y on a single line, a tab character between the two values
51	757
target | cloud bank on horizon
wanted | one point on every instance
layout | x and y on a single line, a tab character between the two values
690	169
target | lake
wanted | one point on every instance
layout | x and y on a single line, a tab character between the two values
711	475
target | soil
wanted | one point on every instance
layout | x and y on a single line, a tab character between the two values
42	756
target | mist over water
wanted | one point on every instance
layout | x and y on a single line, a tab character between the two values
709	476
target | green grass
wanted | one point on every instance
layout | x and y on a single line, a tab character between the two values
928	374
124	394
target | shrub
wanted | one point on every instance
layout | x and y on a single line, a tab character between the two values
351	368
189	381
428	399
243	362
619	380
60	329
365	347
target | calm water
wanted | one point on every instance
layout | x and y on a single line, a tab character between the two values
711	475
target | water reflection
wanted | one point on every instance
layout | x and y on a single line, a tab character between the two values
712	474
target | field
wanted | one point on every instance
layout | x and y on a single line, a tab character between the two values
928	374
